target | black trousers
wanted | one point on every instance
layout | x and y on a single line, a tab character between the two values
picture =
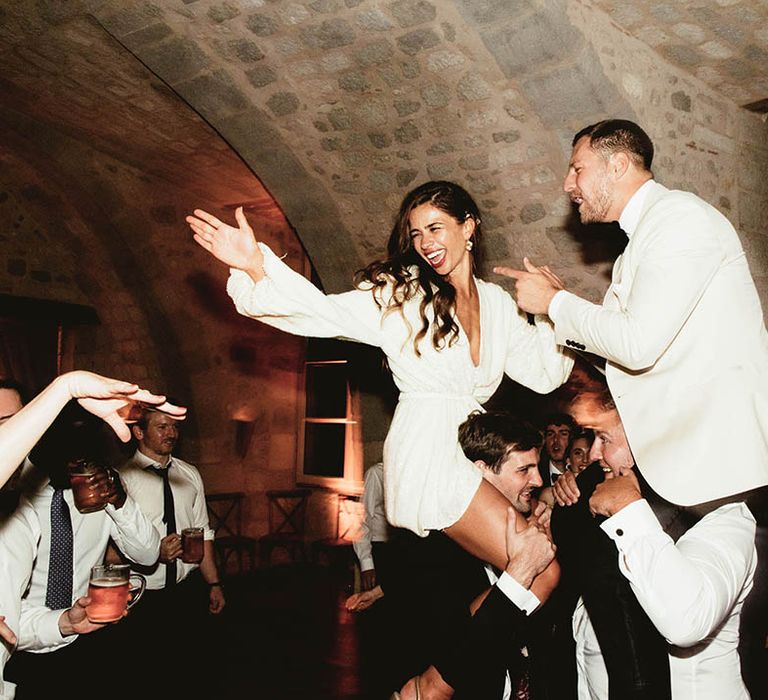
161	650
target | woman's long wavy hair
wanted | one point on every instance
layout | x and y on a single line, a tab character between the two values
397	270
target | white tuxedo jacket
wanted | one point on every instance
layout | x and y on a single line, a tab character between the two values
682	331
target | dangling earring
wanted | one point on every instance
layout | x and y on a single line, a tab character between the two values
468	245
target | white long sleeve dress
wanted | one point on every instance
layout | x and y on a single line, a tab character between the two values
429	483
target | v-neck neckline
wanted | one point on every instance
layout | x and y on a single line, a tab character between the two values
480	323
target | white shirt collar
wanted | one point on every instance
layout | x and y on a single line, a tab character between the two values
144	461
630	216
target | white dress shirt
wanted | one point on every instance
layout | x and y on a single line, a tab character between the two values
19	537
131	531
146	488
375	527
692	591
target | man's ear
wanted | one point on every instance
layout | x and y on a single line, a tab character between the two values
138	433
619	164
482	465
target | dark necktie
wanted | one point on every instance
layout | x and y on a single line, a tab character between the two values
169	518
58	594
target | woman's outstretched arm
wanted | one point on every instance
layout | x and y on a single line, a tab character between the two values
104	397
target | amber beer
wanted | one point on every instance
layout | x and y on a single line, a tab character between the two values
88	497
111	593
109	599
192	545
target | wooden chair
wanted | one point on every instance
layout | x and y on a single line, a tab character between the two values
287	519
337	550
225	511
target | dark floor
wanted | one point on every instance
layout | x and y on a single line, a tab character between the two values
286	634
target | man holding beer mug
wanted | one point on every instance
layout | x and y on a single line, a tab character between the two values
74	530
184	586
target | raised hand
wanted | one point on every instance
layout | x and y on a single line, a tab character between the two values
534	286
236	247
109	398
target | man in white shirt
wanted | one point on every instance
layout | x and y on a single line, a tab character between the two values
692	589
47	489
179	595
371	546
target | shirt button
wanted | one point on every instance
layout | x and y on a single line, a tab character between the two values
619	532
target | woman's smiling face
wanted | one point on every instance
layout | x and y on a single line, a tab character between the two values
440	239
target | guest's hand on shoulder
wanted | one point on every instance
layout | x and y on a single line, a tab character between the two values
565	490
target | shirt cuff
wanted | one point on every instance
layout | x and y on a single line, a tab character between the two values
632	521
523	598
555	303
48	632
366	564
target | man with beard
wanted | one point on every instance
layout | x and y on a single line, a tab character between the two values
682	331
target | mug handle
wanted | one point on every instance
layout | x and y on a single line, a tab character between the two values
140	588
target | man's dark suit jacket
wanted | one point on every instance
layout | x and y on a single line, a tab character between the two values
635	653
434	580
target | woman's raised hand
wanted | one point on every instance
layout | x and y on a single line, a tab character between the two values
236	247
112	399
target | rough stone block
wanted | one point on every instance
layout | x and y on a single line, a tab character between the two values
418	40
473	88
354	82
531	43
261	24
506	136
246	50
376	52
176	60
213	94
477	161
436	95
408	13
407	133
443	59
406	176
375	20
283	103
483	12
223	13
330	34
681	100
533	211
380	140
340	118
260	76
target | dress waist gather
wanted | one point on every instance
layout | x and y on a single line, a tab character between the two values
405	395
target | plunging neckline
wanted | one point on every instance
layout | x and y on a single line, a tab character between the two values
480	330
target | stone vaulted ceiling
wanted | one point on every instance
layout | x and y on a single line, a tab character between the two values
339	106
118	117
